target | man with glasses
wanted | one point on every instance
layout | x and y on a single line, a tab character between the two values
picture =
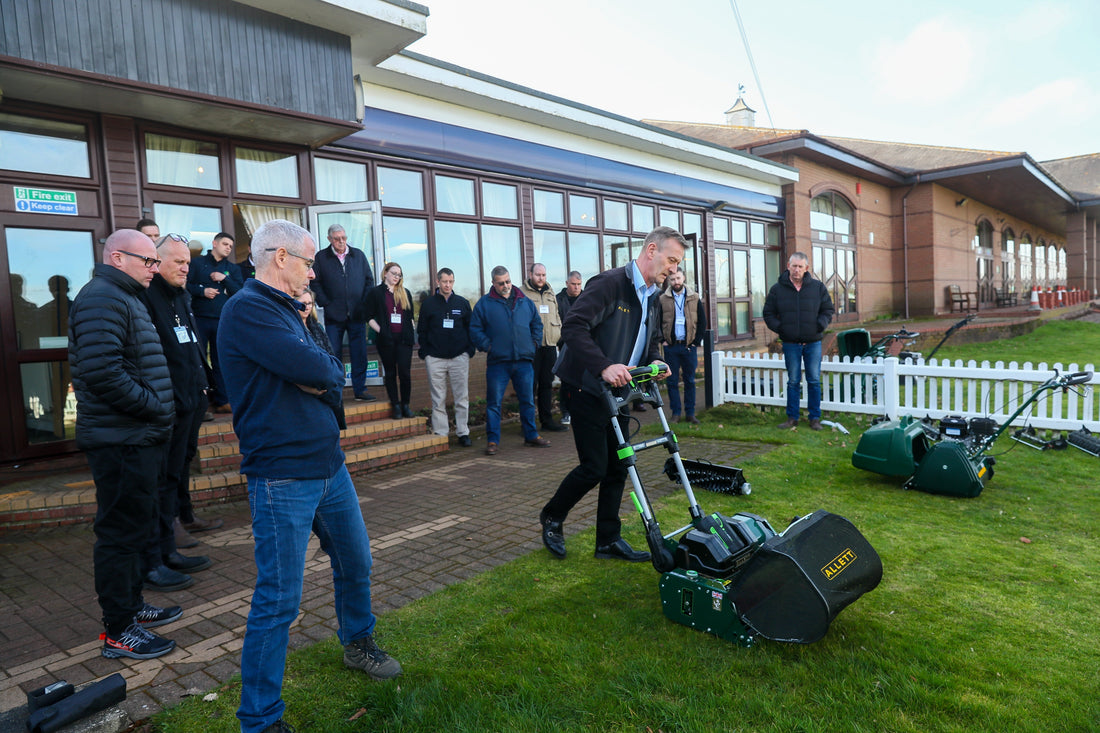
343	280
212	280
286	395
123	421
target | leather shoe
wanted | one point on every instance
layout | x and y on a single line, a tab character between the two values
201	525
365	397
815	425
792	422
692	419
183	537
552	535
166	579
405	411
183	564
207	416
223	409
491	449
620	550
537	442
398	413
464	441
554	427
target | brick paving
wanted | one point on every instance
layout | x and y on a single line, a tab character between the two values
434	522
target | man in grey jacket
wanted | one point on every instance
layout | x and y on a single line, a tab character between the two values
123	422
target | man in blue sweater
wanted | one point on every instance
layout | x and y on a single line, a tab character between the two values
285	391
507	327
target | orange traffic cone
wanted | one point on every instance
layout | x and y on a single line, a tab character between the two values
1035	300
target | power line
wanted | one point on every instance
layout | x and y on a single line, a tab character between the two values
752	63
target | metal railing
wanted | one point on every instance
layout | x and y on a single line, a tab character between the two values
890	387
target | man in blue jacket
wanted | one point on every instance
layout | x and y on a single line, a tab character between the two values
799	309
506	325
343	280
286	391
212	280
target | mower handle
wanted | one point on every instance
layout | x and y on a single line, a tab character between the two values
645	373
1076	378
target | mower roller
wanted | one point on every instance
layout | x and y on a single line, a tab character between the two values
954	465
734	576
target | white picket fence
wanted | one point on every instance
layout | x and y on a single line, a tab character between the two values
891	388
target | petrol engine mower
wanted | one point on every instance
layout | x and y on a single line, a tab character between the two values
735	576
954	462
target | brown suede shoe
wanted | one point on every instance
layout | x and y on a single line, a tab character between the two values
792	422
537	442
183	537
815	425
491	449
202	525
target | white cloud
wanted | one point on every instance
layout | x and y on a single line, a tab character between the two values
1067	100
936	62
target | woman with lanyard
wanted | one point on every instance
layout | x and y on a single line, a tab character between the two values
390	316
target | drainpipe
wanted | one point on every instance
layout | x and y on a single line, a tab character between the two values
905	242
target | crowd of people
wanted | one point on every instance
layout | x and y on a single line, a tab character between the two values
159	338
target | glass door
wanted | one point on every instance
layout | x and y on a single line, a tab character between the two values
46	268
362	222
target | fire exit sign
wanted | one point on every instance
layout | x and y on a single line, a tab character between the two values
45	201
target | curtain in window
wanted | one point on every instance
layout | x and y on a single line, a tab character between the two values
255	216
267	172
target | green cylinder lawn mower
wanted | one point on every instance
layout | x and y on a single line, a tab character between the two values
950	461
735	576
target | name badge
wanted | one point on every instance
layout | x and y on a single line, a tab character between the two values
182	334
395	318
544	309
680	320
448	323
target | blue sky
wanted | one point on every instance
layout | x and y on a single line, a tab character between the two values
1008	75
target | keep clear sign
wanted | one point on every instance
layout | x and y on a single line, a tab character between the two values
45	201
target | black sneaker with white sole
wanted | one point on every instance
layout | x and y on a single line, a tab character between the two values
136	643
151	616
364	654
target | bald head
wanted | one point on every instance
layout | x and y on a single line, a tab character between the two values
128	250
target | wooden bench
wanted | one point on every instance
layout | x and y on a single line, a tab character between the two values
956	296
1004	297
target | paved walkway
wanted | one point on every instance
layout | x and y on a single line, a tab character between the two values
434	522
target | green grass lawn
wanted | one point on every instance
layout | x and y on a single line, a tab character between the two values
985	620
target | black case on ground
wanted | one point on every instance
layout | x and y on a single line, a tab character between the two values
798	581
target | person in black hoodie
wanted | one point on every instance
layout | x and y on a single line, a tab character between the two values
799	309
124	411
567	296
446	348
170	308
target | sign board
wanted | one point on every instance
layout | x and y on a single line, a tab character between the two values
45	201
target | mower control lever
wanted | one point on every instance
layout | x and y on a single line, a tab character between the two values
644	373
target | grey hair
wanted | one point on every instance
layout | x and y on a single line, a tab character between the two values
799	256
274	234
662	234
335	228
498	271
574	273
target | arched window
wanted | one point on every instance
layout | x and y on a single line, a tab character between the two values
1041	264
983	260
1008	261
1054	274
832	227
1027	272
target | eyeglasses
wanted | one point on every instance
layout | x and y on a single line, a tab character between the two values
150	262
306	303
170	237
309	261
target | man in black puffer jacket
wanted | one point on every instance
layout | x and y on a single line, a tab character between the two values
123	421
799	309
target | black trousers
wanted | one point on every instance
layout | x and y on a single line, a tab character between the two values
599	464
545	356
174	485
397	363
126	507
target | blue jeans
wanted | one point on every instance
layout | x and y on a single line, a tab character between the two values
357	346
795	355
681	360
284	512
522	376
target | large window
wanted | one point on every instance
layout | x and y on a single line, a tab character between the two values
456	247
51	147
983	254
1026	264
339	180
267	172
832	223
400	188
1008	261
405	242
177	161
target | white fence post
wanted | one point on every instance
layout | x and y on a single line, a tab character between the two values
890	392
